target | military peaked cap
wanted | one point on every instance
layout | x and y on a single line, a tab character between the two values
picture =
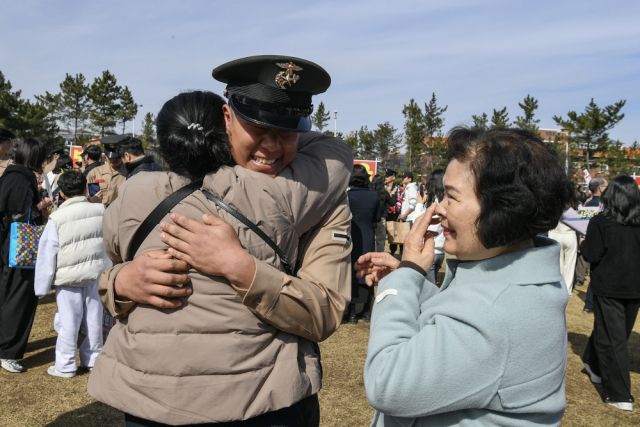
6	135
110	143
273	91
59	151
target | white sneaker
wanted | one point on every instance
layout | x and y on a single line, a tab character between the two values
55	373
625	406
594	378
11	365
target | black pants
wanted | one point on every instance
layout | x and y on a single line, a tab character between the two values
581	268
606	352
305	413
18	304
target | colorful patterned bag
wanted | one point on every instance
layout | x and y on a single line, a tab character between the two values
23	245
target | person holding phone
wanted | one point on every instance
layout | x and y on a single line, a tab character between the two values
110	175
94	188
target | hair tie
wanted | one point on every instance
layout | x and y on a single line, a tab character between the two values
195	126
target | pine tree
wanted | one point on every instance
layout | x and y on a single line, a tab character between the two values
148	135
528	122
9	101
433	120
500	118
387	142
589	130
75	103
352	141
367	143
618	159
128	108
433	143
480	122
104	94
321	117
413	131
33	120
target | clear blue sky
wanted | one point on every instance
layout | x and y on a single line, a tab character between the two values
475	55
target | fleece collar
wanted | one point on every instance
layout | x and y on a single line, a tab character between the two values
526	267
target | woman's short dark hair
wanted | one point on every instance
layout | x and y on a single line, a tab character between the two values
63	164
189	151
359	177
72	183
519	180
621	201
31	154
435	188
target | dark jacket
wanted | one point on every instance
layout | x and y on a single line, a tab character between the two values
366	211
613	250
145	164
594	202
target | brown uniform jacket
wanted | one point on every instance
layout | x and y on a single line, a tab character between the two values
112	181
49	167
225	355
5	162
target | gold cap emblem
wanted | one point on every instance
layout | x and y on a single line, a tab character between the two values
287	77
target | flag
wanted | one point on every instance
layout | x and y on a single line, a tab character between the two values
587	175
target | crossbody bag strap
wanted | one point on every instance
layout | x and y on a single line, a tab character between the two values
288	268
156	215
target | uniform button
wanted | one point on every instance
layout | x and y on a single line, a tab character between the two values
256	301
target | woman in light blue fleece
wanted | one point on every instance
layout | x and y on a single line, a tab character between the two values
489	348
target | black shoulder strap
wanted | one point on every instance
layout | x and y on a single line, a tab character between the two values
163	208
288	268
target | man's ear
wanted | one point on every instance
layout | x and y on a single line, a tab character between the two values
228	117
62	195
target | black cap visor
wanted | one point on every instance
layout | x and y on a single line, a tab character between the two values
271	120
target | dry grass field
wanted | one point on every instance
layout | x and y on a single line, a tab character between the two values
34	398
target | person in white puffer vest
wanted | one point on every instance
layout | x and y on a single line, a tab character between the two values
71	257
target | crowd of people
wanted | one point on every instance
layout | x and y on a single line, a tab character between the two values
262	237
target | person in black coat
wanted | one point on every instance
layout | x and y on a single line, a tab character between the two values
612	246
131	152
19	202
366	211
388	201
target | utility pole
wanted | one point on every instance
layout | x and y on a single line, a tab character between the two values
335	124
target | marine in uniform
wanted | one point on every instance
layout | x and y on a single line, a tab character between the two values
110	175
92	155
5	145
268	93
52	164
